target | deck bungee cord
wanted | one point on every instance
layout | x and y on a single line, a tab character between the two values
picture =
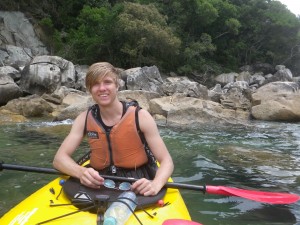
100	205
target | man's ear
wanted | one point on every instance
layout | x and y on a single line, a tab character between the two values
118	83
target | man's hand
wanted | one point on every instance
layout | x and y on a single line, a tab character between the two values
91	178
144	187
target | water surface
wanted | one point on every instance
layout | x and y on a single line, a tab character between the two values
262	156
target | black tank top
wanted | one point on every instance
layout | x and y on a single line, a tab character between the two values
99	118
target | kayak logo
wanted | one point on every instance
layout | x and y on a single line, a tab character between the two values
82	196
23	217
92	134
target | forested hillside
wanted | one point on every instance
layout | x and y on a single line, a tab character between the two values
197	38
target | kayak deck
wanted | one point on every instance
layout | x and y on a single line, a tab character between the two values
49	205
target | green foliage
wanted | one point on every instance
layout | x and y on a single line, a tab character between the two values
268	32
91	40
51	37
188	37
47	22
205	12
146	38
195	54
233	25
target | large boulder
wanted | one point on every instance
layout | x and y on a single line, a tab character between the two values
183	85
193	112
45	74
282	74
30	106
143	78
237	95
277	101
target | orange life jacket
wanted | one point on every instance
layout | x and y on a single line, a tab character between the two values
121	147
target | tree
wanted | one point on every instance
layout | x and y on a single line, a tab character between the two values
191	36
91	41
145	38
268	33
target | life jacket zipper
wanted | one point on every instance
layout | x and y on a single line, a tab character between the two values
113	168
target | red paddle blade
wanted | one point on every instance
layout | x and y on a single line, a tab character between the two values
260	196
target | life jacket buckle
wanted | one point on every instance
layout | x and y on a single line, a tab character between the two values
113	169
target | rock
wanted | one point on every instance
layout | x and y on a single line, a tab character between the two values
10	71
8	89
72	111
52	99
236	96
15	56
30	106
226	78
265	68
277	101
142	97
45	74
76	97
16	30
7	116
215	93
161	106
257	79
282	74
80	71
244	76
145	78
62	91
182	85
189	111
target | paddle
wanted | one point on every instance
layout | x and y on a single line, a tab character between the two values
259	196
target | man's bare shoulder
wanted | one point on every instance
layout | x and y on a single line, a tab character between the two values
144	113
82	115
80	118
146	121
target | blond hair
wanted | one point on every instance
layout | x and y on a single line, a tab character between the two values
98	71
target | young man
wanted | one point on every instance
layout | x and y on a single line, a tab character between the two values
113	135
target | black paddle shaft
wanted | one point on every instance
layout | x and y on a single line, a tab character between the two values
29	169
116	178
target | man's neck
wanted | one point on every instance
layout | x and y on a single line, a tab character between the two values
111	114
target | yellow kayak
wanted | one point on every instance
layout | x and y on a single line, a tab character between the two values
50	205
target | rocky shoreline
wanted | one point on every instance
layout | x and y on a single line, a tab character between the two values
36	84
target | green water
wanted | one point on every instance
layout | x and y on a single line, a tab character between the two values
263	156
